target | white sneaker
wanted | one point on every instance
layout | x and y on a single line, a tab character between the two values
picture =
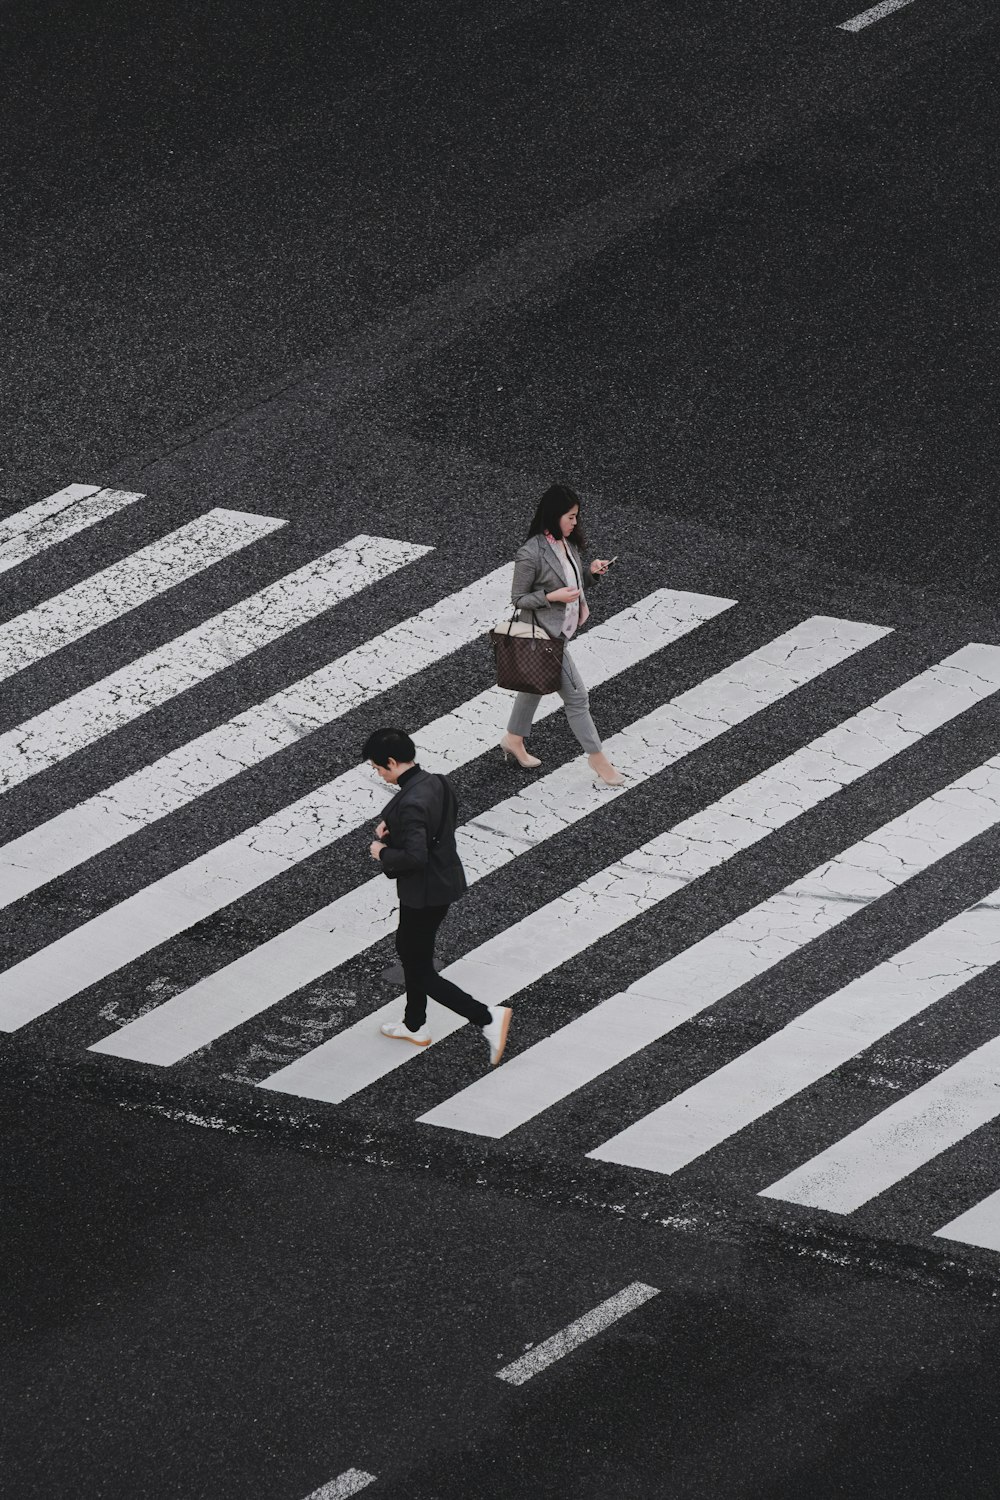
496	1031
402	1033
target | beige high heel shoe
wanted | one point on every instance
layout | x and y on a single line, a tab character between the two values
520	755
606	771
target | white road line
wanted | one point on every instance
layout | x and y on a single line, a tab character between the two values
575	1055
50	976
577	1333
563	928
253	736
52	520
124	586
886	8
979	1225
41	742
828	1033
349	1483
194	1017
915	1129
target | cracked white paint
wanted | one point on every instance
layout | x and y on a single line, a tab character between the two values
42	525
565	927
198	654
254	735
317	820
679	989
813	1044
929	1119
125	585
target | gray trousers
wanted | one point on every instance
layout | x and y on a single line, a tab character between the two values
574	695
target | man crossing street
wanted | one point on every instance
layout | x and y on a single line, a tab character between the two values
415	846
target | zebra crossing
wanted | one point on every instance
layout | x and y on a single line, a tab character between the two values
581	1058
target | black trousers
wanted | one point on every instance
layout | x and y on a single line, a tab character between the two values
415	937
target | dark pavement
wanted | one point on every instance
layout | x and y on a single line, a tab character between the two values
193	1315
735	274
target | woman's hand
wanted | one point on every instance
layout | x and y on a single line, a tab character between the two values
599	565
563	596
375	849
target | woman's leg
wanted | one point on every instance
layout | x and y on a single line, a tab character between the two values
574	695
522	713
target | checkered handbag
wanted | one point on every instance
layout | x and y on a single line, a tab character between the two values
528	660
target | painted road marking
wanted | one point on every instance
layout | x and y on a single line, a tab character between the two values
581	1051
52	520
558	931
117	590
886	8
940	1113
808	1047
62	969
205	1011
321	817
577	1333
191	658
252	736
979	1225
348	1483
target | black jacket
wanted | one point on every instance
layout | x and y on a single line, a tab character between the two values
425	876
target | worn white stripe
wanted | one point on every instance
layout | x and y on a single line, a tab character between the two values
124	586
351	1482
191	658
885	8
979	1225
62	969
194	1017
56	518
601	1038
933	1117
253	736
42	510
577	1333
748	1087
558	931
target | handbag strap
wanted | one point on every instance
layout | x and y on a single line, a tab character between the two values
449	801
516	611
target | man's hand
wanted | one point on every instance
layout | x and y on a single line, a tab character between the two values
382	831
375	849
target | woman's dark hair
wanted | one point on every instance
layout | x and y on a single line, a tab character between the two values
556	501
389	744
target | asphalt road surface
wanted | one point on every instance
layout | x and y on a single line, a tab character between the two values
302	313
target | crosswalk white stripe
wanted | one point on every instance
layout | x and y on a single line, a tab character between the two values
125	695
601	1038
927	1121
979	1225
56	518
565	927
108	817
191	1019
32	515
50	976
748	1087
125	585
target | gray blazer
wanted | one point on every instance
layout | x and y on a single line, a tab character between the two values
537	573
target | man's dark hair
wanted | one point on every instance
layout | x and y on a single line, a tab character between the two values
556	501
389	744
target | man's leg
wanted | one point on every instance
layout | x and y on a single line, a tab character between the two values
415	938
415	946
